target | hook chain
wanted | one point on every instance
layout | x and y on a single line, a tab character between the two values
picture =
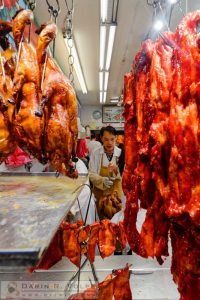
54	12
67	33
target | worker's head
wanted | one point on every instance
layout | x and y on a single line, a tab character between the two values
93	137
108	137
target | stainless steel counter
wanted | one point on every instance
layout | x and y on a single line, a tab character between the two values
32	205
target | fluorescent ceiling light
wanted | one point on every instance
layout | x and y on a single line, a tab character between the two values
110	45
101	97
101	81
106	81
104	10
102	46
77	67
158	25
114	100
172	1
104	96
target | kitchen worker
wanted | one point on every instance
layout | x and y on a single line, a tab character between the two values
104	174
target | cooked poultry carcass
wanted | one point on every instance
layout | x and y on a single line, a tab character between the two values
5	28
7	141
22	18
26	92
109	205
8	54
61	108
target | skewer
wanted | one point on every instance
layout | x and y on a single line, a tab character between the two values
164	39
29	33
3	71
19	51
44	69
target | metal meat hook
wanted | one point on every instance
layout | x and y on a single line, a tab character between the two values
53	10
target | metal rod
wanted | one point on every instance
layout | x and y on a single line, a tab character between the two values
88	207
133	271
3	70
44	69
80	209
19	51
71	281
161	9
94	272
166	42
29	34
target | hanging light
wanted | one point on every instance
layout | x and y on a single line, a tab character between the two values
106	81
101	81
104	96
110	45
102	46
104	10
172	1
101	97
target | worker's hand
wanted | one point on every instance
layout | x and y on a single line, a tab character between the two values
107	182
113	168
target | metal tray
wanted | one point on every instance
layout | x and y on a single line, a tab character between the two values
32	206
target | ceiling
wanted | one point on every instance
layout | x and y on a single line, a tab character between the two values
133	23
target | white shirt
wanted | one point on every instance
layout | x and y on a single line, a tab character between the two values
92	146
81	167
95	159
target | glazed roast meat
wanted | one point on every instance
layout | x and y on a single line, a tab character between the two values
32	82
162	152
59	103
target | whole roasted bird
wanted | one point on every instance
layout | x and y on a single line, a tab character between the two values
60	107
26	90
7	141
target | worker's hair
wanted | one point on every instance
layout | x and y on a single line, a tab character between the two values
109	129
93	136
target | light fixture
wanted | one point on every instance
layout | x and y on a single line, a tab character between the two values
102	46
114	100
77	66
104	96
172	1
158	25
104	10
101	81
110	45
106	81
108	24
101	97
